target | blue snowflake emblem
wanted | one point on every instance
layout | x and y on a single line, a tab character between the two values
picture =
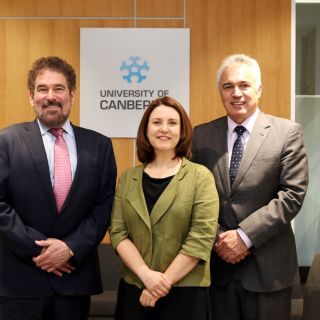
135	69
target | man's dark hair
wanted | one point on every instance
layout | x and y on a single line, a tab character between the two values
55	64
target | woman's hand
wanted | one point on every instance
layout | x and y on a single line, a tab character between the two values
156	282
147	299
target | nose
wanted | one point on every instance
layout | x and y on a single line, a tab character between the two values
236	91
50	94
164	127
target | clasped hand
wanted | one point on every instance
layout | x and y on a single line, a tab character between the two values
230	247
54	257
157	285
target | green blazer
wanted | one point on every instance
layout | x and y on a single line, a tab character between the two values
183	220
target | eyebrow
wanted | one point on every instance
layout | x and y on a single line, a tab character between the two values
55	85
234	83
162	119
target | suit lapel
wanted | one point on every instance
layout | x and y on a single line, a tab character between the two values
35	145
219	148
82	164
259	133
79	169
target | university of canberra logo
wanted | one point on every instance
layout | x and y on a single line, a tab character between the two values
135	70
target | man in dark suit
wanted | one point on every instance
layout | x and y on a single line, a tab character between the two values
261	175
53	214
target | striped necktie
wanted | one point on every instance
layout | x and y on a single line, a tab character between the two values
62	168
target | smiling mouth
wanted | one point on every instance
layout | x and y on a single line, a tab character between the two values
164	138
52	107
53	110
52	104
238	103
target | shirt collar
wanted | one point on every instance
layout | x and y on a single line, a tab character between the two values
248	123
67	127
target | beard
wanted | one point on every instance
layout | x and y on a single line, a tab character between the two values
56	122
52	118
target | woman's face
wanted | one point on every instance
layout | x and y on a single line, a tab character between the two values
164	129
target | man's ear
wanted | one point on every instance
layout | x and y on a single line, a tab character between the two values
31	98
259	91
72	94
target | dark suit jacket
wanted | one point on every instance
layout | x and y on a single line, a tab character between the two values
266	195
28	211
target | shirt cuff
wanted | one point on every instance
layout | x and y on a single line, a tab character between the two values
244	238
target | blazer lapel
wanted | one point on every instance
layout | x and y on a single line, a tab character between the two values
35	145
257	138
136	197
166	198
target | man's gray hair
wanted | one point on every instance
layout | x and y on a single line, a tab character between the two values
242	59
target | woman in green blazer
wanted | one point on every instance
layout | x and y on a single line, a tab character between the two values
164	222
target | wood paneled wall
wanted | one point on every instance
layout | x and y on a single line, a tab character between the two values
261	28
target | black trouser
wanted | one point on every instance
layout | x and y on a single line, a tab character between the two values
55	307
181	303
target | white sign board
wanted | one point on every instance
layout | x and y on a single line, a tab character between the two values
123	70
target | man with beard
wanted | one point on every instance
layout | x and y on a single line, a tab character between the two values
56	192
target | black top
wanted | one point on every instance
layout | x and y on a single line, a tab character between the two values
152	189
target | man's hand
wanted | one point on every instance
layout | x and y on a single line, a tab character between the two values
230	247
147	299
53	257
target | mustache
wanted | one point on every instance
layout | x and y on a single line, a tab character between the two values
53	103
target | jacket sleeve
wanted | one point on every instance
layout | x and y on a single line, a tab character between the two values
13	232
204	219
269	220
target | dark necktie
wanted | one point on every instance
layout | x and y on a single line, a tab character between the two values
62	168
237	152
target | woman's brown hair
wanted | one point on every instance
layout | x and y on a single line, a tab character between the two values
145	150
